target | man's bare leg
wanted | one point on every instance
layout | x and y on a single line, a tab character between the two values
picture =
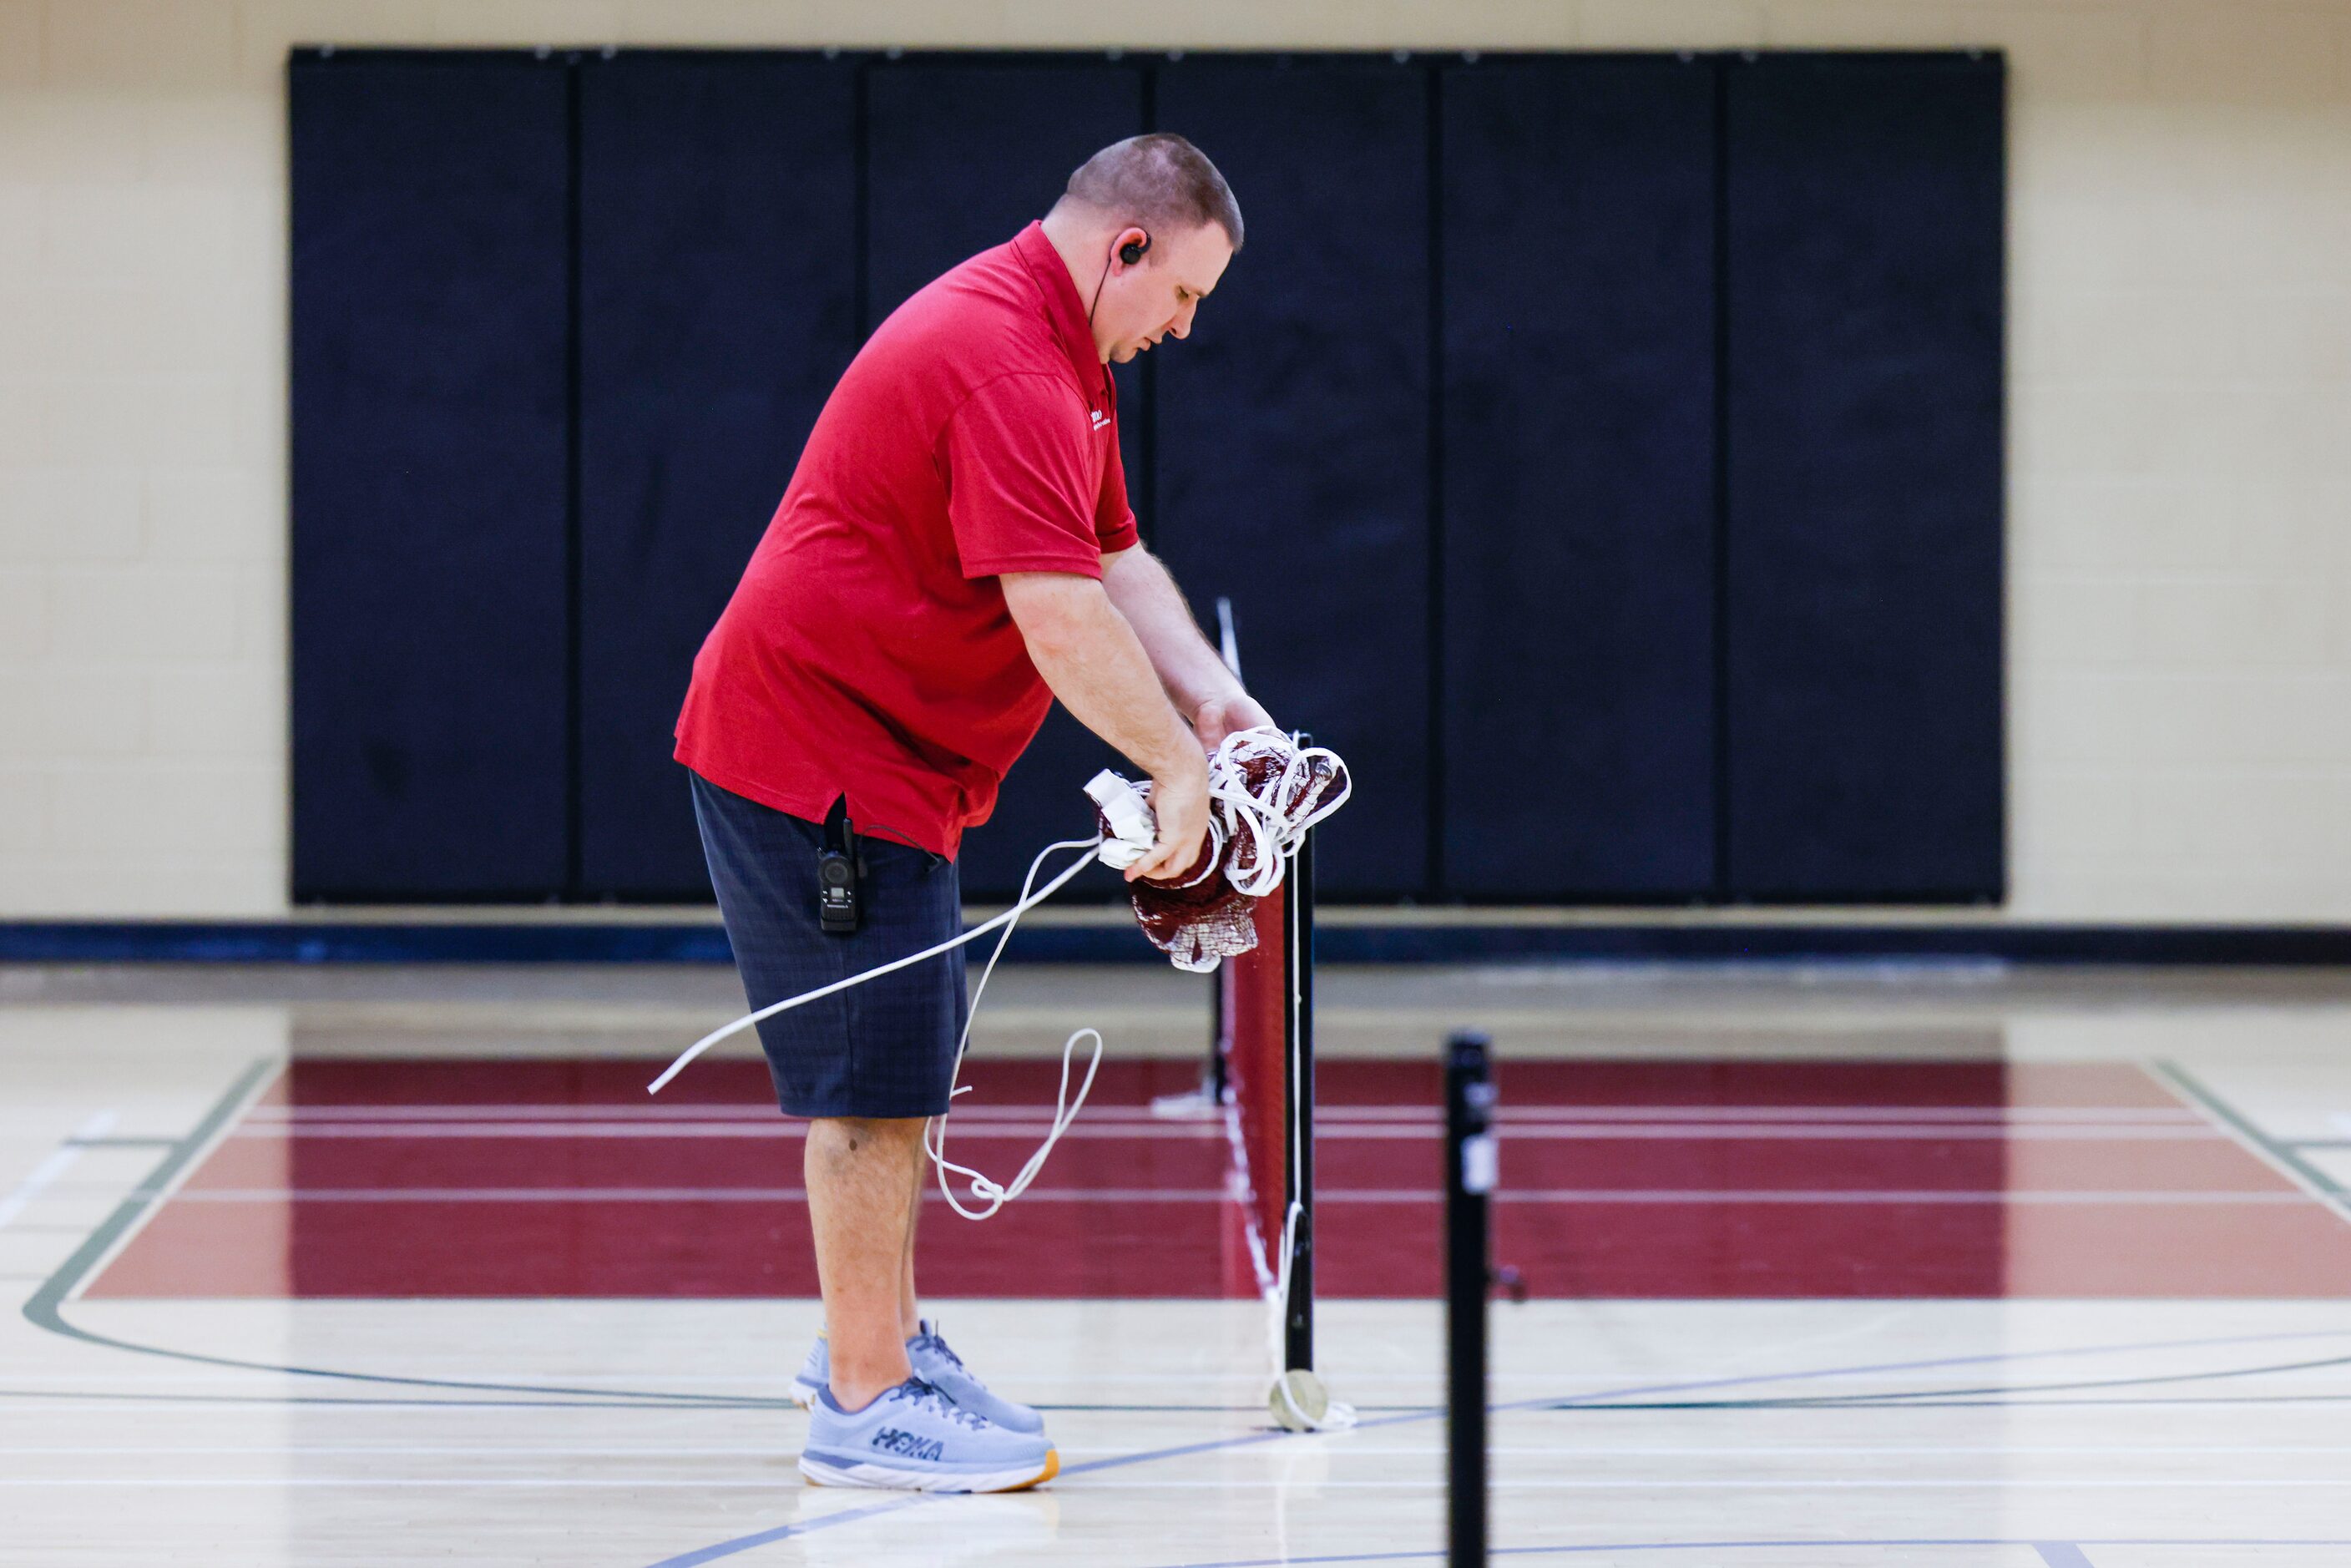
910	1311
857	1171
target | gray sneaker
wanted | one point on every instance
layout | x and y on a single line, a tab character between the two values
935	1365
914	1438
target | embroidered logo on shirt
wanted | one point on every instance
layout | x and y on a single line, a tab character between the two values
1101	420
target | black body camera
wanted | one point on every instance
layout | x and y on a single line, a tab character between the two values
837	872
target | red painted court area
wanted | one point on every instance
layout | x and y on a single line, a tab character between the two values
414	1178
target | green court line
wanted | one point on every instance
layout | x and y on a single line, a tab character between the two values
2335	1196
44	1309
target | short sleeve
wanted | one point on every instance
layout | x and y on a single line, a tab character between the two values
1021	492
1115	528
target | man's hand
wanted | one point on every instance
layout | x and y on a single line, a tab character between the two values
1179	801
1220	717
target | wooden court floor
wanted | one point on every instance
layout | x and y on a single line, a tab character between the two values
1829	1266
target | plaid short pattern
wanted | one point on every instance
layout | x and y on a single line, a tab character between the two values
882	1049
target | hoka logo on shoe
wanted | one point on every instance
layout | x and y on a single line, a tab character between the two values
889	1439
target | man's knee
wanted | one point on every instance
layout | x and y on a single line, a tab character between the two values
851	1134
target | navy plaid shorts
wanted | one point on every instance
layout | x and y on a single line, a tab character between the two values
882	1049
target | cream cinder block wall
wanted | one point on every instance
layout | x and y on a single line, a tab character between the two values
2180	409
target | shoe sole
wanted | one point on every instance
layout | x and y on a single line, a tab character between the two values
887	1478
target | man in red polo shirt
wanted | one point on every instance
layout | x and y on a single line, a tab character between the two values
955	550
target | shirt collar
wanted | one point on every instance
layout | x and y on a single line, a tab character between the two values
1064	311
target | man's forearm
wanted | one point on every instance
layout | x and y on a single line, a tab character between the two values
1098	666
1192	671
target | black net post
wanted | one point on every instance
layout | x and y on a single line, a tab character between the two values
1298	925
1471	1164
1216	1082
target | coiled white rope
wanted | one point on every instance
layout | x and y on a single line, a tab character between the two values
1004	920
1265	814
1268	814
983	1189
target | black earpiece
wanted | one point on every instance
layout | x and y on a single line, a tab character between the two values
1130	253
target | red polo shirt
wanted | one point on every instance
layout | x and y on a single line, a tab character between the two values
868	650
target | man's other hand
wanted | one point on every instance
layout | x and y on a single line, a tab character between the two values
1179	800
1220	717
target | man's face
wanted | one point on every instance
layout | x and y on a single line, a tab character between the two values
1156	299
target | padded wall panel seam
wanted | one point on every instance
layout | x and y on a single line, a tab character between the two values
427	447
1578	404
962	153
1292	426
1864	205
717	256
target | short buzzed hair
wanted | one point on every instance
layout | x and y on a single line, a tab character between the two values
1157	179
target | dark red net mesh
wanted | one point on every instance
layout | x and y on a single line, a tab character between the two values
1201	918
1255	1039
1198	924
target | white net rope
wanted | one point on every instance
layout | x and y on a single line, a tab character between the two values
1265	790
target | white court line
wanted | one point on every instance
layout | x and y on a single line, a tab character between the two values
1641	1483
652	1195
60	1161
273	1195
1341	1112
1026	1377
1776	1483
1252	1384
1204	1132
1336	1450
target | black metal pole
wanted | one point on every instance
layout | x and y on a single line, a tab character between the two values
1470	1160
1297	926
1213	1077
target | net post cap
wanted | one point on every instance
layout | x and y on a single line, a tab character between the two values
1468	1045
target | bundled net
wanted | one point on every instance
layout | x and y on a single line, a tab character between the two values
1264	1043
1257	994
1264	791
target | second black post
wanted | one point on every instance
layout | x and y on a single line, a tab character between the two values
1471	1160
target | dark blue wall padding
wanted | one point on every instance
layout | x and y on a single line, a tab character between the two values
1578	236
1864	573
718	308
428	349
961	154
1293	427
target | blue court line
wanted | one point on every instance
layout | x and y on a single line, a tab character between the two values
711	1554
786	1532
1559	1402
2056	1554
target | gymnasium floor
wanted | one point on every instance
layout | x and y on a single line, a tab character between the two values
1839	1266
